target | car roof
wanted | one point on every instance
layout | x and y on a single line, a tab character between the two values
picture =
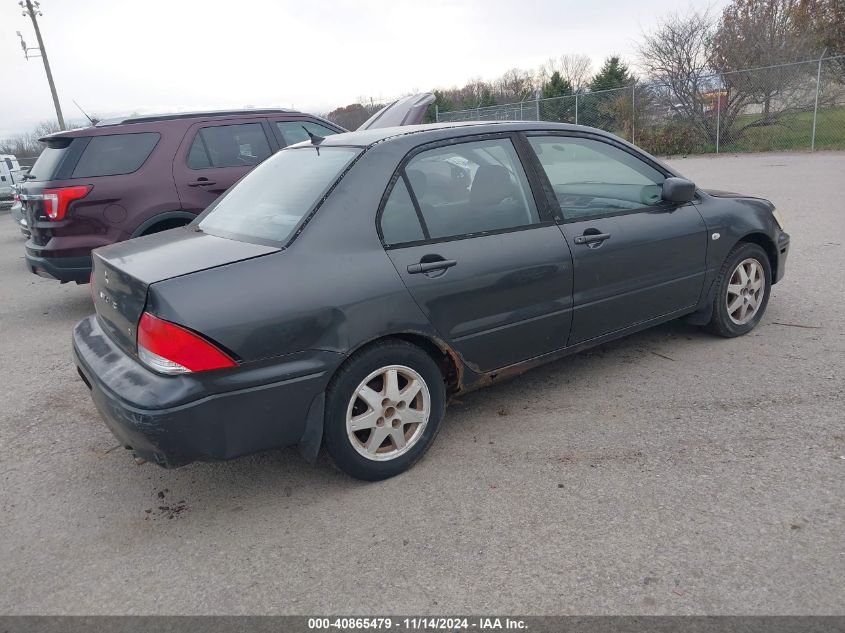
410	136
366	138
184	118
207	114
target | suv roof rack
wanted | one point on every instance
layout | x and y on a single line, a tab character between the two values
149	118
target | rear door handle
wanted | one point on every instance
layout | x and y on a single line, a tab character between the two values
427	267
201	182
589	238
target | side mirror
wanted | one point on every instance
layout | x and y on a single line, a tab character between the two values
678	190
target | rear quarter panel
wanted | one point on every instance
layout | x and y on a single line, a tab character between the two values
333	288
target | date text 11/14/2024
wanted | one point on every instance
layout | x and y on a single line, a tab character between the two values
420	623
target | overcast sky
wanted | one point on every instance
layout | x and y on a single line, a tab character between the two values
115	56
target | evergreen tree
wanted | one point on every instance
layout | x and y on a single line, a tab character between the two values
556	107
442	103
556	86
487	98
614	73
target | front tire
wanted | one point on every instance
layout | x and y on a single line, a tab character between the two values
383	409
742	291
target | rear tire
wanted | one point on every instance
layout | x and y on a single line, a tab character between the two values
383	409
742	291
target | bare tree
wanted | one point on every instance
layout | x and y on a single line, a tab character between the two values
576	69
26	144
353	115
760	34
515	85
678	55
822	20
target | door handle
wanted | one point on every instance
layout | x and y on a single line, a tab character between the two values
201	182
427	267
589	238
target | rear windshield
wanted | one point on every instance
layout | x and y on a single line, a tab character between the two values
268	203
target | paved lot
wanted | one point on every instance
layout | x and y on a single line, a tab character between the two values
670	472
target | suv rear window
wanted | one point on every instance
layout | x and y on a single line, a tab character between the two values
115	154
268	204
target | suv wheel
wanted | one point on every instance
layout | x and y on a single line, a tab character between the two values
383	409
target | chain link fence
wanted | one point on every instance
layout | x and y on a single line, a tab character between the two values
787	107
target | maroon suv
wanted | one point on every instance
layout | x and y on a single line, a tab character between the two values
124	178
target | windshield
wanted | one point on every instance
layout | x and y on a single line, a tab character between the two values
267	205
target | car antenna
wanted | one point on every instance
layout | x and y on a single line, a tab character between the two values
316	139
90	120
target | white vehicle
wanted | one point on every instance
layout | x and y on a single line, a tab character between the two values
10	173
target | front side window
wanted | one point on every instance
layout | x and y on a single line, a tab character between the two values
268	203
242	145
297	131
591	178
115	154
470	188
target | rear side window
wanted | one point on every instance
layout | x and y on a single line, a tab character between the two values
470	188
297	131
115	154
399	221
51	158
242	145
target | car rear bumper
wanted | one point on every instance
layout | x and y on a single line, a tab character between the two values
62	257
174	420
64	269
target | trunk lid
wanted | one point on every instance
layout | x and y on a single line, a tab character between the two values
122	273
405	111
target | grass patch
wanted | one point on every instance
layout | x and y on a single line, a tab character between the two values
792	133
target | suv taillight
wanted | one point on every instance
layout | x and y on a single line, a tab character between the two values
56	201
171	349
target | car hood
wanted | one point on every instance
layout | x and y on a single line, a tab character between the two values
405	111
122	273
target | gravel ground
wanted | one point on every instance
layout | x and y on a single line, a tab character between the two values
669	472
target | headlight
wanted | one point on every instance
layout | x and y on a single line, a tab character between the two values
779	219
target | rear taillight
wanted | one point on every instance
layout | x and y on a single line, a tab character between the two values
56	201
170	349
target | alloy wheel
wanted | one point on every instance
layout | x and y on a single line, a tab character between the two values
388	412
746	289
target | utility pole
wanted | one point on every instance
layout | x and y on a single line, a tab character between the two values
32	8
